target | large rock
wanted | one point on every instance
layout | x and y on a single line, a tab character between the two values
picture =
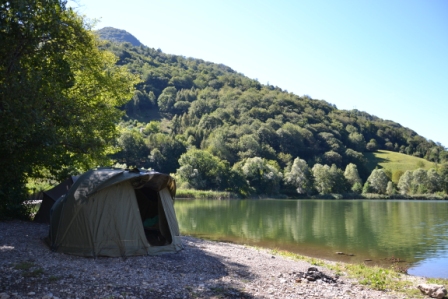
433	290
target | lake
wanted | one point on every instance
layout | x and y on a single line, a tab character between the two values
364	231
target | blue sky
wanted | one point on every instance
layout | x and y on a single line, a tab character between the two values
388	58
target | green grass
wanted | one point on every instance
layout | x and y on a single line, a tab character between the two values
394	161
27	267
376	278
24	266
201	194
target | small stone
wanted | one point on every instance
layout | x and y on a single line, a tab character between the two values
4	296
433	290
31	294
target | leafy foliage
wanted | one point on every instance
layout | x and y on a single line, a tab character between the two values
299	177
200	99
58	96
378	181
202	171
212	108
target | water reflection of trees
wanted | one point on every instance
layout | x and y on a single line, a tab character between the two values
378	228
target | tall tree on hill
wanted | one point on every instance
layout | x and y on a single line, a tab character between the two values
352	176
322	178
378	181
405	182
262	175
299	177
58	96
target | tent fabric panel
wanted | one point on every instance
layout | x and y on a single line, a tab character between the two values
75	199
92	180
78	239
164	226
108	225
170	213
153	180
117	222
50	197
61	188
173	226
55	218
43	215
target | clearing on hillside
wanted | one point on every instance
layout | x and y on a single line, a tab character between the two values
394	161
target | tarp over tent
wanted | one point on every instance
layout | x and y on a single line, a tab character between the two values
116	212
49	197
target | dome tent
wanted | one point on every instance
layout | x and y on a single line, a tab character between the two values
104	212
49	197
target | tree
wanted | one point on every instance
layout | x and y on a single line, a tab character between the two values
322	178
340	184
366	188
332	157
164	152
152	127
433	183
262	175
405	182
58	96
357	188
378	181
248	146
133	148
419	181
290	139
352	176
167	99
201	170
357	141
372	145
299	177
390	188
443	172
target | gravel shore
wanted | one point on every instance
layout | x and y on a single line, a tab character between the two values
204	269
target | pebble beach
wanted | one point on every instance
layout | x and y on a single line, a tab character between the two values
203	269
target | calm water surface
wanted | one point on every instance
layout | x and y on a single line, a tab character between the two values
377	230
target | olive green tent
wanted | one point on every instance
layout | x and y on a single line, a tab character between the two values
116	212
49	197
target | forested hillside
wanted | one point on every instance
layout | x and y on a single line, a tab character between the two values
118	35
212	125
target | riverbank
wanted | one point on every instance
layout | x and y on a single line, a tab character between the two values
210	194
204	269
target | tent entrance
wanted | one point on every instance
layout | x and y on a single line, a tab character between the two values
153	217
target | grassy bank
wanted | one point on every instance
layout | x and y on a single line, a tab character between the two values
374	277
210	194
201	194
438	196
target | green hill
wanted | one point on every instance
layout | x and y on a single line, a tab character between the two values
118	35
184	103
394	161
